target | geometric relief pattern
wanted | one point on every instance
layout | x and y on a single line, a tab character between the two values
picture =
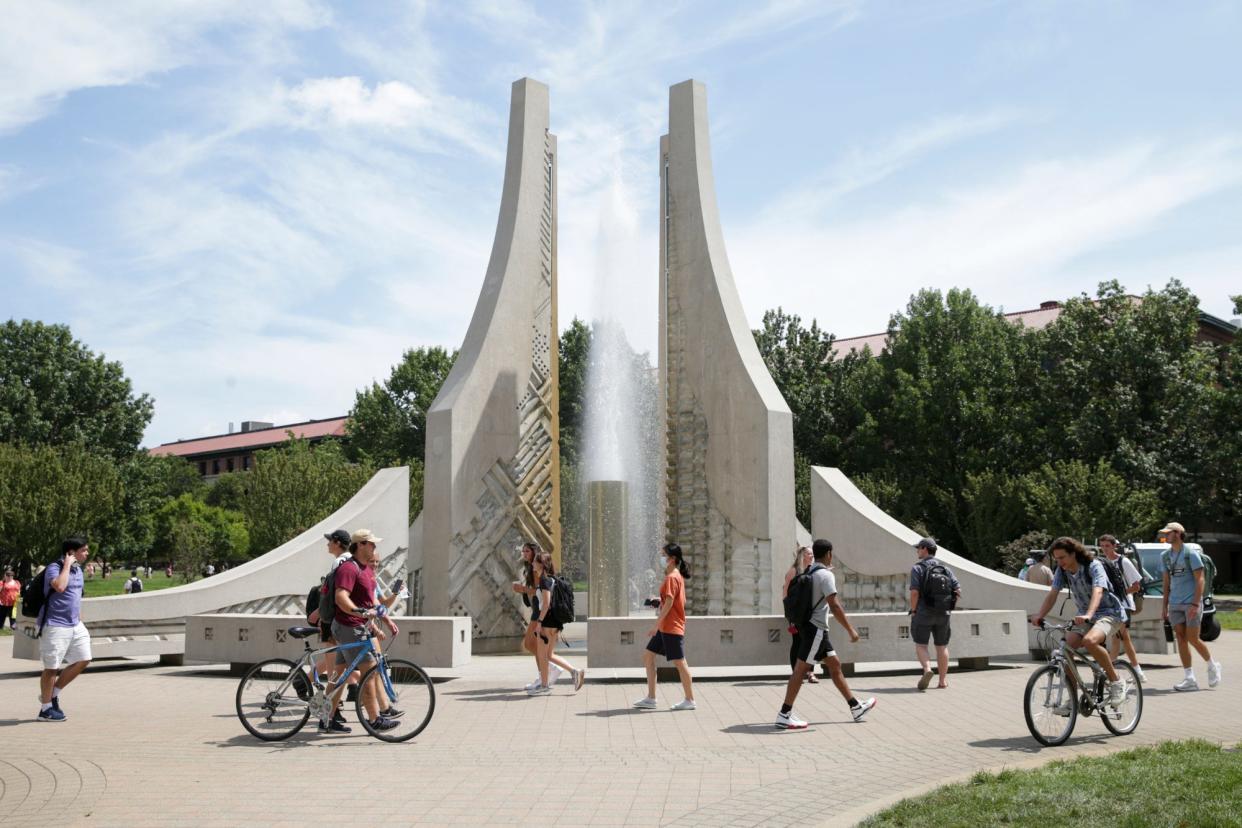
726	564
515	500
872	593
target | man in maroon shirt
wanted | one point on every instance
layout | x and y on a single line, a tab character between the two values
355	600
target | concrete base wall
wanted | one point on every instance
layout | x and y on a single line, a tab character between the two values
759	640
153	622
873	553
237	638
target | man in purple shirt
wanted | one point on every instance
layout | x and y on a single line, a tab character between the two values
63	637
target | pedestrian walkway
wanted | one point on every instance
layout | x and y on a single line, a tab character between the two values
148	745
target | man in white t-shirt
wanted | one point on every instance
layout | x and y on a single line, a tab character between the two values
815	645
1134	582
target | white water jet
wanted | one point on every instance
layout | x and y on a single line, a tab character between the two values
623	429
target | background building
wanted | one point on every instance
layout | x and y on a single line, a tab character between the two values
234	451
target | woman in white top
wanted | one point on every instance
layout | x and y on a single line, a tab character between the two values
802	559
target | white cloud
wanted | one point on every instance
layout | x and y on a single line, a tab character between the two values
51	49
348	101
1013	239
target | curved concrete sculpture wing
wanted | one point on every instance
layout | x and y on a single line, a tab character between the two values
153	623
729	453
874	552
493	463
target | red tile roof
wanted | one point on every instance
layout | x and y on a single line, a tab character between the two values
252	440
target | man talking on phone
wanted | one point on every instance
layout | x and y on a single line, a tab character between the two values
63	637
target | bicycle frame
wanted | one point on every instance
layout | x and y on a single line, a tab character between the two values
1070	658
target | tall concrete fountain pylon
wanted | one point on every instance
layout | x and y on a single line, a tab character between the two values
492	476
729	452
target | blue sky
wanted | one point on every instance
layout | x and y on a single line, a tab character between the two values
257	207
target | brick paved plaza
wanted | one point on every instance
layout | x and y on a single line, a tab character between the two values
149	745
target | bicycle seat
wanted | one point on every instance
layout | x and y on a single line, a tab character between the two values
303	632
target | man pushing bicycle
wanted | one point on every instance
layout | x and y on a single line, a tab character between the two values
1096	605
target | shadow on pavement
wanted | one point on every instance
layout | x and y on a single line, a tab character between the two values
769	729
504	694
620	711
1027	744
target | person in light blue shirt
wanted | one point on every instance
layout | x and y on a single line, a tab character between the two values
1184	585
1096	605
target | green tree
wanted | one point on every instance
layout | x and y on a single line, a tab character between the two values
228	491
294	486
55	391
48	493
1069	497
953	403
147	482
189	534
1226	448
388	423
574	356
1128	381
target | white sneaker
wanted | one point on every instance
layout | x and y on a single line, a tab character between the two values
862	709
541	690
788	721
579	677
1064	708
554	673
1116	693
1187	684
1213	673
646	704
533	684
1138	671
684	704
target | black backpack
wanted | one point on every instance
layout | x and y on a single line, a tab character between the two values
1116	580
329	593
312	598
562	610
135	585
936	590
34	595
798	606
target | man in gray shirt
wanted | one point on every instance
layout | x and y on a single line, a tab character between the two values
934	591
814	643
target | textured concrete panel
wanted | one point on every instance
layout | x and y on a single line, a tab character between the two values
873	554
153	623
744	641
235	638
493	465
729	452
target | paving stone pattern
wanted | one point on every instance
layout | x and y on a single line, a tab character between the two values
155	746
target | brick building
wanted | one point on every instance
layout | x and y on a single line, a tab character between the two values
224	453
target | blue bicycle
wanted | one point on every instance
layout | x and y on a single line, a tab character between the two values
277	697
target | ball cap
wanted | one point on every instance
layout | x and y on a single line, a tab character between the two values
926	543
1173	526
365	536
340	536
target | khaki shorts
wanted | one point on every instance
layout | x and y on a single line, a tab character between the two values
1108	625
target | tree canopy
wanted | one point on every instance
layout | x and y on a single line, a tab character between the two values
55	391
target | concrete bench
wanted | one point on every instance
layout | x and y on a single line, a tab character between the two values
760	640
239	639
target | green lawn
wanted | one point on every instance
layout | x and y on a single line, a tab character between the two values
1175	783
114	584
1230	620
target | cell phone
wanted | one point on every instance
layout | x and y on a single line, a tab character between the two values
398	585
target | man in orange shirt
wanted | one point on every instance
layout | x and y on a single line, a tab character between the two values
669	634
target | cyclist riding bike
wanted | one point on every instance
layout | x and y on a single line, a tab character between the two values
1096	605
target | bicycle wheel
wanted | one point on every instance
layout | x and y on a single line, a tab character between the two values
405	692
1050	707
1125	717
273	699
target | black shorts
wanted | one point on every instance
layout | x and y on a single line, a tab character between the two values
549	624
672	647
933	627
814	642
